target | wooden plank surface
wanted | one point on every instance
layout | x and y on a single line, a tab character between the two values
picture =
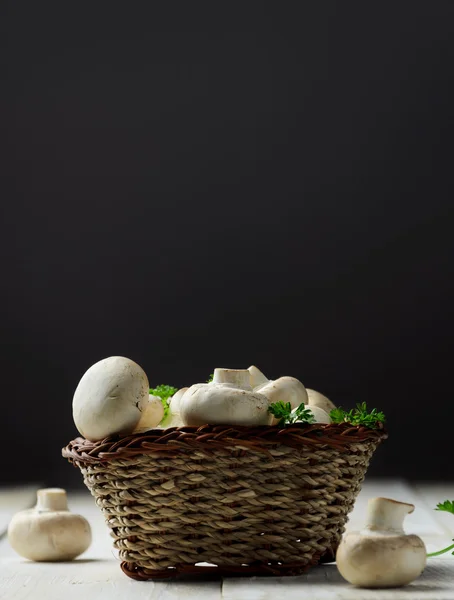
326	583
430	494
97	574
90	579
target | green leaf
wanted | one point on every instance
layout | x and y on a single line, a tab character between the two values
337	415
210	378
165	404
165	392
283	411
358	416
303	414
447	506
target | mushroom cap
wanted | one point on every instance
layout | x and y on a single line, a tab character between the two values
152	415
320	415
317	399
380	561
175	400
110	398
223	404
285	389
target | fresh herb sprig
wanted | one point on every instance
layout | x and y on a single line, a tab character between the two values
165	392
210	378
358	416
446	506
283	411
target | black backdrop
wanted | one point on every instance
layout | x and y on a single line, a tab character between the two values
197	186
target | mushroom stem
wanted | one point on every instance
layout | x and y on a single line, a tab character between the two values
235	377
51	499
385	514
257	377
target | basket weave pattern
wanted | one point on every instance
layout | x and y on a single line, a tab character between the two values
249	501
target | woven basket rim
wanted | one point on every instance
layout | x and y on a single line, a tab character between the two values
173	440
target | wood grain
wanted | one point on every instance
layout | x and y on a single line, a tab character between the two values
97	574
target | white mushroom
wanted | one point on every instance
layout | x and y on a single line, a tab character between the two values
175	400
152	415
289	389
49	532
320	416
110	398
317	399
228	400
382	555
284	389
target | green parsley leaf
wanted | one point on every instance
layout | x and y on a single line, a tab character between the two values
165	392
283	411
337	415
303	414
447	506
358	416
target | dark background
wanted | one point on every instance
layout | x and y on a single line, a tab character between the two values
195	186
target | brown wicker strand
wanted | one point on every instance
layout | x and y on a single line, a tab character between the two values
221	500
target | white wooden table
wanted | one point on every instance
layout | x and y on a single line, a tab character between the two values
97	574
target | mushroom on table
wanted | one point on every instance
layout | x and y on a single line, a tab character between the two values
49	532
382	554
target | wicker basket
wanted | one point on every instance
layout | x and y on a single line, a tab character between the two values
246	500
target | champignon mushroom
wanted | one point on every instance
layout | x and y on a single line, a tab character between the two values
317	399
320	416
152	415
382	555
110	398
228	400
285	389
49	532
174	402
